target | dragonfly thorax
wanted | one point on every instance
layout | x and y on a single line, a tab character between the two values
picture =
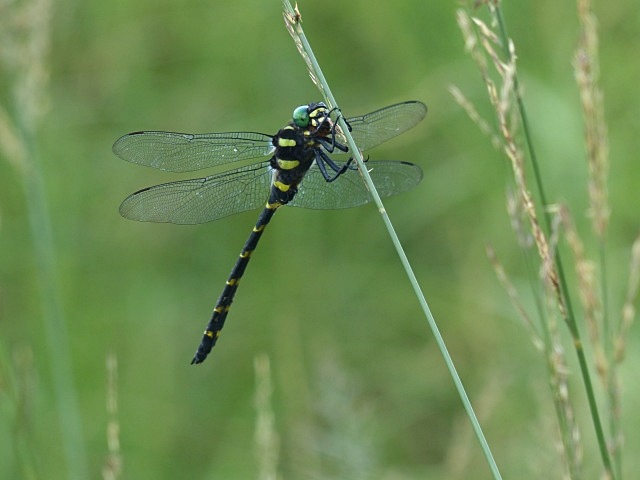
293	148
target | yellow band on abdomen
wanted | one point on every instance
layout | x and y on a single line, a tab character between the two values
283	187
287	164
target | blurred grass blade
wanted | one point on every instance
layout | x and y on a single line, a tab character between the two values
484	44
112	468
25	50
267	441
569	315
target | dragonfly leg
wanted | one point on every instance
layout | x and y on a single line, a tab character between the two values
330	146
339	116
322	160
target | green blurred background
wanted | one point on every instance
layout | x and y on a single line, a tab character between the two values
359	389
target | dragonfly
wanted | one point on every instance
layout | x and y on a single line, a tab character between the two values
297	169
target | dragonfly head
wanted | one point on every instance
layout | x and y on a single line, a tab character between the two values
301	116
314	115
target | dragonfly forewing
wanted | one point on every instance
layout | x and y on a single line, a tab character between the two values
377	127
184	152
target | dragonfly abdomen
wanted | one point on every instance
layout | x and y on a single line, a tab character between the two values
220	311
290	162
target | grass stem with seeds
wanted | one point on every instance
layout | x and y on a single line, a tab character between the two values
292	19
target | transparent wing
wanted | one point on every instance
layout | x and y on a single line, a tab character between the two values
377	127
202	199
349	190
184	152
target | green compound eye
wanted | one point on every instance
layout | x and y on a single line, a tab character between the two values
301	116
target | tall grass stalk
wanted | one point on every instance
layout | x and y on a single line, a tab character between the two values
267	440
18	380
494	53
112	468
24	49
293	20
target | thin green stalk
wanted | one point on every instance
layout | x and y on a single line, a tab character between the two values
55	328
610	378
611	375
292	20
569	318
28	26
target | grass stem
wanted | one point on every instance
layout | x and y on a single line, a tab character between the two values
293	21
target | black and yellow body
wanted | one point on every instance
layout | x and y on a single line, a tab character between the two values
298	172
296	148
